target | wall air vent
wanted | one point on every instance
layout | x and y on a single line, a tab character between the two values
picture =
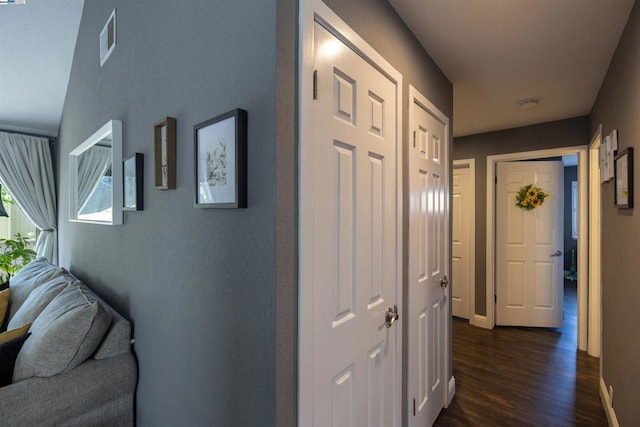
108	38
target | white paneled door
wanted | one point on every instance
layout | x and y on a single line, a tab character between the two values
462	218
428	314
529	245
354	247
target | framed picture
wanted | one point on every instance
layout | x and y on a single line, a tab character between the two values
624	179
164	141
133	188
221	161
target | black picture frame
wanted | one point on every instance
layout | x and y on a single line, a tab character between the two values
220	147
133	187
623	171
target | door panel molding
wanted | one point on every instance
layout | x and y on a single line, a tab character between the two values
583	230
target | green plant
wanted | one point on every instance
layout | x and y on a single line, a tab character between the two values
6	197
14	254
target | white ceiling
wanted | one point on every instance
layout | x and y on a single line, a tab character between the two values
498	52
37	40
495	52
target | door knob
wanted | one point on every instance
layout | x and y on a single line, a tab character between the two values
391	315
444	282
556	253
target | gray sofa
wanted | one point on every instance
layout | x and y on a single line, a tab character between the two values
76	368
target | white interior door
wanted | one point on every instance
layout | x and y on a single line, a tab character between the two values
529	246
354	202
428	263
461	244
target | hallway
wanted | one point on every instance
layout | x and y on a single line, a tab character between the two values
512	376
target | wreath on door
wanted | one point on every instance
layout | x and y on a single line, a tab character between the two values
530	197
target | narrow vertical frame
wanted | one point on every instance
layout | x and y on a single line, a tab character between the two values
133	186
623	169
164	137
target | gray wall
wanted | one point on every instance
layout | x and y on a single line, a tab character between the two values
563	133
618	107
198	284
211	293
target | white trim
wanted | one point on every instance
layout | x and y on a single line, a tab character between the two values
595	247
480	321
452	391
583	221
312	11
608	405
472	235
416	97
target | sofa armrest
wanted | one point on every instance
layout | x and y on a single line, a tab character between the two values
60	399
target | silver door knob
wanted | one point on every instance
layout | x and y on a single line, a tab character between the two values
391	315
444	282
556	253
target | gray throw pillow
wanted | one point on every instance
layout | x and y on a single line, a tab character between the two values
37	300
30	277
64	335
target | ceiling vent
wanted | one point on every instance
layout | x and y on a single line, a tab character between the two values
108	38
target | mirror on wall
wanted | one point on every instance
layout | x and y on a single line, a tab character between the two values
95	177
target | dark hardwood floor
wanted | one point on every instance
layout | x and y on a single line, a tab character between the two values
524	376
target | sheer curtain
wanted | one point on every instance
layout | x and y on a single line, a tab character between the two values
92	166
26	169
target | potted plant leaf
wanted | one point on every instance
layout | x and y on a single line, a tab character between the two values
14	254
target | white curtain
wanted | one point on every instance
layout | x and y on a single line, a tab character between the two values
92	166
26	169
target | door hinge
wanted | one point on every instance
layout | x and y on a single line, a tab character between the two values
496	179
414	139
315	84
495	299
414	407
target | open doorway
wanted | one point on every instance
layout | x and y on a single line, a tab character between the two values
581	256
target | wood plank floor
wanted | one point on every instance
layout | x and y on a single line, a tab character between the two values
523	376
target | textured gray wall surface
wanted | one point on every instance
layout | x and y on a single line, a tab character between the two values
563	133
198	284
618	107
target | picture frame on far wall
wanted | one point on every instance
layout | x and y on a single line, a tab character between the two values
221	161
623	168
164	149
133	185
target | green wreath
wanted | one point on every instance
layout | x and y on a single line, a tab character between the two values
530	197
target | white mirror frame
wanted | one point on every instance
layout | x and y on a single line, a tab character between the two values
113	128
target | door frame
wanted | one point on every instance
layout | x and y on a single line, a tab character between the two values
312	11
471	165
595	246
488	321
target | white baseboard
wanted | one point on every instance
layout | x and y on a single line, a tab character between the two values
452	391
606	403
480	321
